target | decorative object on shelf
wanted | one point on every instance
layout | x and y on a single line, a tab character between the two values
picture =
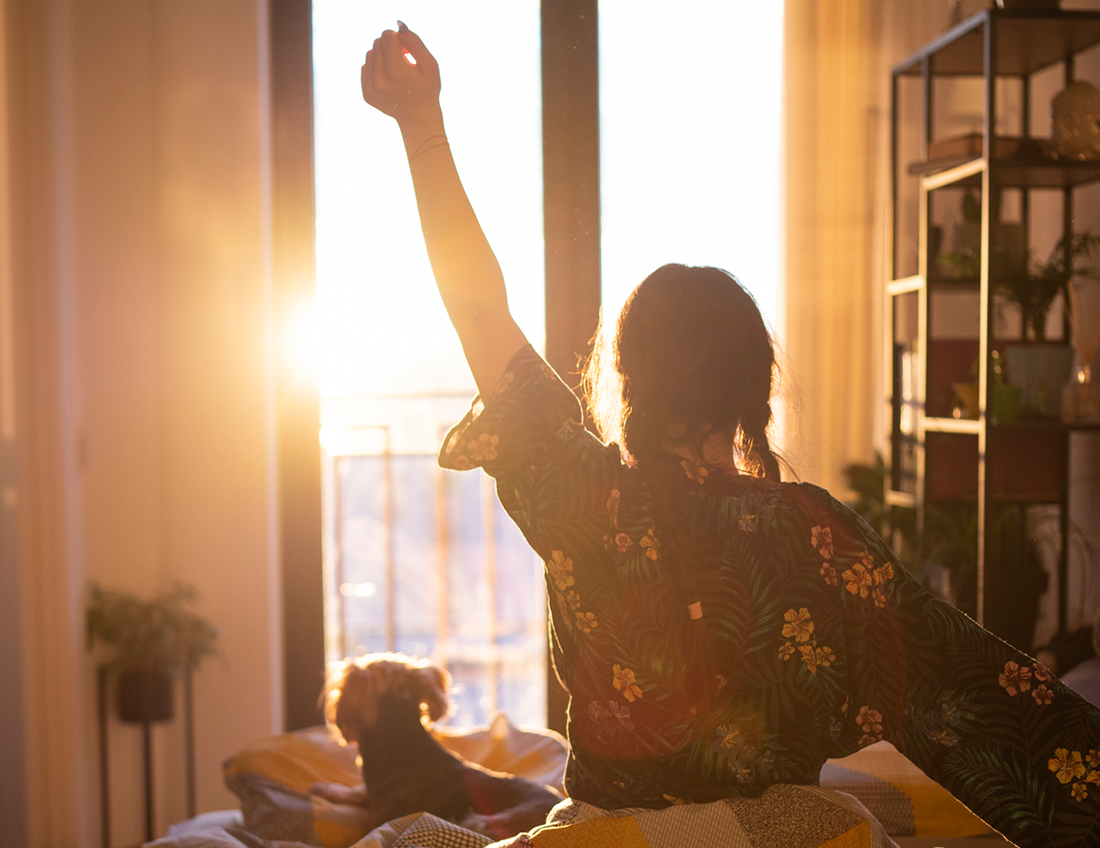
1080	398
1076	121
1006	396
965	402
1040	370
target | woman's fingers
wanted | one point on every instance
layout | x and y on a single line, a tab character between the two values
378	68
425	61
400	79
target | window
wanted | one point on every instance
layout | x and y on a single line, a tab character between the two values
422	560
419	559
689	133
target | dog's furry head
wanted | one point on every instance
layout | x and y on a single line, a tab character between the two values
352	689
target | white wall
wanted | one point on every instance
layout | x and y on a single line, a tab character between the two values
143	367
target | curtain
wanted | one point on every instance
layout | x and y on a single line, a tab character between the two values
836	111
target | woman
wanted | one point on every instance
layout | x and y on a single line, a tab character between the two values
721	633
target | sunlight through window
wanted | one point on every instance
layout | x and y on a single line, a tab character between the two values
425	561
689	141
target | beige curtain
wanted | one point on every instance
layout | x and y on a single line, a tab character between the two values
832	293
836	111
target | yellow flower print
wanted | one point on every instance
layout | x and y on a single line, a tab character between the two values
623	679
505	381
1093	777
747	523
884	574
787	651
484	447
829	573
1042	673
1067	765
560	569
879	597
673	800
1093	758
573	599
798	626
650	544
461	462
586	621
1015	679
822	540
697	473
824	656
1080	792
867	560
809	657
858	580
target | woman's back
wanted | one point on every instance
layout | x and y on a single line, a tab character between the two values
819	642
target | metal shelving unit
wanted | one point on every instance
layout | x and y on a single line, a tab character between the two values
935	457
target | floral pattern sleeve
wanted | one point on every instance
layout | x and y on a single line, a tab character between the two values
987	722
550	471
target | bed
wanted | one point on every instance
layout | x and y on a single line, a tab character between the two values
272	776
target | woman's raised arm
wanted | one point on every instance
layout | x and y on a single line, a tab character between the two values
401	79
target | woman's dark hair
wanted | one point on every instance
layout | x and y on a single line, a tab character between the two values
690	354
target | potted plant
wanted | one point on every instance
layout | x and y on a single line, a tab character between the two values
1040	369
152	641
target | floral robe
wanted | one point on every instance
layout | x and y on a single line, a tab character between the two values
823	643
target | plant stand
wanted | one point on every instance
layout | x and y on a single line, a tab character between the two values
103	677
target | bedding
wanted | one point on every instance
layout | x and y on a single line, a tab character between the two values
272	777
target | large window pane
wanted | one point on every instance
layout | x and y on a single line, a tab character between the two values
417	559
689	124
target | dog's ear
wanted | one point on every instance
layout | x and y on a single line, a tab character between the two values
349	697
329	701
432	685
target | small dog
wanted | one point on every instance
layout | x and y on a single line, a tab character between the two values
382	703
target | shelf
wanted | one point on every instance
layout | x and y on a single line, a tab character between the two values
902	499
967	426
965	171
1047	425
1026	42
905	285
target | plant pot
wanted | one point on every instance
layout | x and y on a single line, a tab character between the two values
145	695
1040	370
1006	403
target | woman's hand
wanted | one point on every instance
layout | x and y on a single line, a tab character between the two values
401	79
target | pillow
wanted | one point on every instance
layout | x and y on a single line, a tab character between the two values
903	798
272	776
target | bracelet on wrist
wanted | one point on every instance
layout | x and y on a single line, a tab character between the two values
426	145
